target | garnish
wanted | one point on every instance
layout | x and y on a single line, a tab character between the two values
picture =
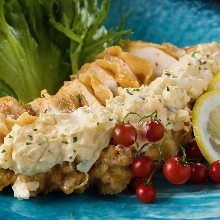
168	89
142	167
64	142
175	171
75	139
130	113
167	73
87	111
35	129
80	98
153	131
43	41
131	92
10	136
124	134
145	193
3	151
214	171
28	143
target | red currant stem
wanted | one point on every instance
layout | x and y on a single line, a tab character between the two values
130	113
148	181
153	116
138	154
183	159
165	138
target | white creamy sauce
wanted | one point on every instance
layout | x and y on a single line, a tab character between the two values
52	139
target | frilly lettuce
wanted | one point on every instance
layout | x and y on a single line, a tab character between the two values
42	42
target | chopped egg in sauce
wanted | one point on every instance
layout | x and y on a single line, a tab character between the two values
54	138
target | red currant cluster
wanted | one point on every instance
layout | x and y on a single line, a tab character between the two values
177	170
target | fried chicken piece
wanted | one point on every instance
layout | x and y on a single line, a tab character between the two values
92	69
75	86
62	177
10	113
120	71
11	108
61	103
139	66
112	173
159	56
7	177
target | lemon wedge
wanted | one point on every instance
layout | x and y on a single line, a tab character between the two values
215	82
206	124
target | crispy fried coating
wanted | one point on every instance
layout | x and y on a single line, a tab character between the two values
63	102
7	177
111	173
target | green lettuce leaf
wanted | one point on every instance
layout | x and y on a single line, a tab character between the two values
28	64
42	42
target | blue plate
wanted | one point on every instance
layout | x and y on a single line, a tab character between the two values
182	23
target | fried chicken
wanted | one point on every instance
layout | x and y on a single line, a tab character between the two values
111	173
94	83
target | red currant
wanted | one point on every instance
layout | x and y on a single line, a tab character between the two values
153	131
124	134
193	151
214	171
142	167
175	171
199	173
145	193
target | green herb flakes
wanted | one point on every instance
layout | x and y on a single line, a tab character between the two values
75	139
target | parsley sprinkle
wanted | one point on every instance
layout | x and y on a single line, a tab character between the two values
156	63
3	151
141	97
88	111
30	136
110	119
167	73
168	123
45	111
10	136
75	139
129	92
28	143
134	90
168	89
64	142
35	129
80	98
